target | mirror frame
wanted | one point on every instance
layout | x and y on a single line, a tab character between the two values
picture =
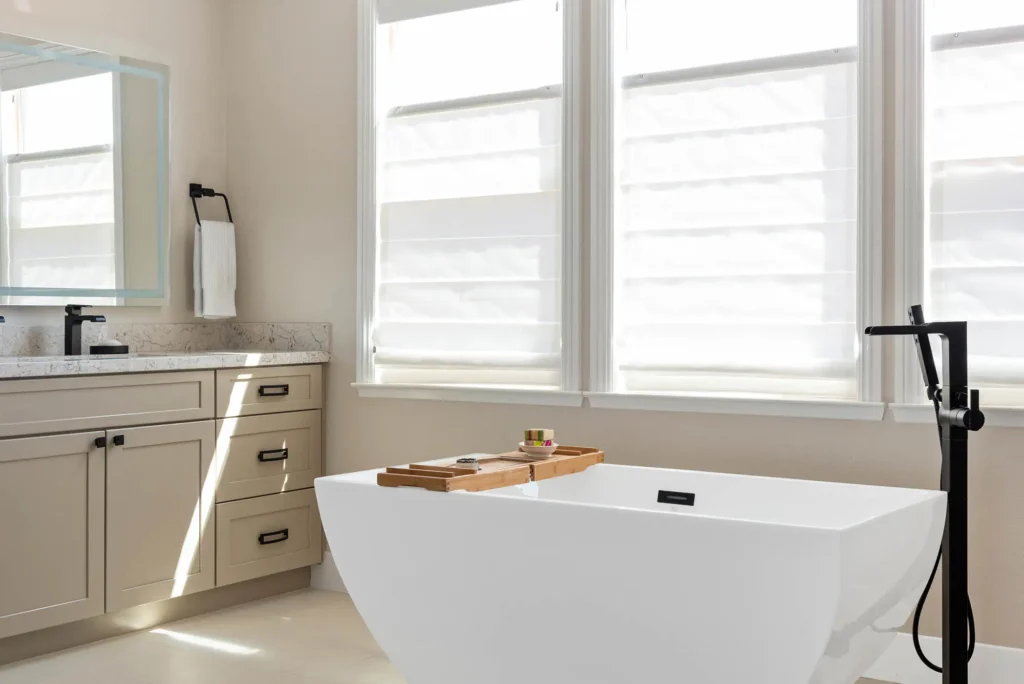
160	292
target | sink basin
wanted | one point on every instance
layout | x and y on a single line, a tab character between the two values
97	357
30	359
53	358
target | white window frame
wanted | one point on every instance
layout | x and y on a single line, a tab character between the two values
367	219
605	21
913	48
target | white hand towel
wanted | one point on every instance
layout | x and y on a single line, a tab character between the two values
215	270
197	270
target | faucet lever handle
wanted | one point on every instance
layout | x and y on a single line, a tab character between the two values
975	419
968	418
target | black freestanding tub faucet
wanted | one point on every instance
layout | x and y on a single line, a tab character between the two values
957	412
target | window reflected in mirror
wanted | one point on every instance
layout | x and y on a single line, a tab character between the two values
64	226
83	176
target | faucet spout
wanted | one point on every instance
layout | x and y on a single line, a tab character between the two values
73	319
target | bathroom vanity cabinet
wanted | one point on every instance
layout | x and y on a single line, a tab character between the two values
122	490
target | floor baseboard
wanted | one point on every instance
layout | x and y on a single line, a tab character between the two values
990	665
326	576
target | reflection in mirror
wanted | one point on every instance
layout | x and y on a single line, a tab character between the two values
83	143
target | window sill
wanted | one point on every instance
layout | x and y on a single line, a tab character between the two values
821	409
480	395
786	408
924	413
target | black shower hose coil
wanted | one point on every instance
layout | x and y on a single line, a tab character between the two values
924	598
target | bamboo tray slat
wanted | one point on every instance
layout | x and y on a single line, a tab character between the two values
503	470
493	474
566	461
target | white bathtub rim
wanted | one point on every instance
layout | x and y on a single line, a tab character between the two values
368	478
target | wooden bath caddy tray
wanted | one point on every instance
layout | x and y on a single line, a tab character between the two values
502	470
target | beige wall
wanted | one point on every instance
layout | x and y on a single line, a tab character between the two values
185	35
291	163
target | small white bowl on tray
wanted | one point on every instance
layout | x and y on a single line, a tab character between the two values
538	452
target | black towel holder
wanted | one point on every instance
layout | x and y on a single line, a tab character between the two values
196	190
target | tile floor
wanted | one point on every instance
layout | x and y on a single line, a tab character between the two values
308	637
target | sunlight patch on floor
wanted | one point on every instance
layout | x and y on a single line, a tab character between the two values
206	642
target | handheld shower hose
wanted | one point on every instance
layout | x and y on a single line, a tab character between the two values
928	587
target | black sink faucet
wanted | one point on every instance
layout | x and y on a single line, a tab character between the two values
73	320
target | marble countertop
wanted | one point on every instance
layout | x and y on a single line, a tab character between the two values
151	362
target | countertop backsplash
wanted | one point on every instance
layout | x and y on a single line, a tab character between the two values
48	340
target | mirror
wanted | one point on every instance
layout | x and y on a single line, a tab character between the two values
83	172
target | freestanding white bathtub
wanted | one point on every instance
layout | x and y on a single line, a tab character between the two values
589	579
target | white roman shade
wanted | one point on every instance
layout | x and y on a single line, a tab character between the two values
62	221
974	245
736	227
470	198
391	11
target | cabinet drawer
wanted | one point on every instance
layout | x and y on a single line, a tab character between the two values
253	391
267	535
268	454
32	407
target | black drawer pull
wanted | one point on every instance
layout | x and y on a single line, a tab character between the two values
118	440
281	535
273	390
282	455
101	442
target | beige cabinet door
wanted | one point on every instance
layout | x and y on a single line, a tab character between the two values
51	531
160	512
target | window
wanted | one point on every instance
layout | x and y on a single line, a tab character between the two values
470	219
735	226
973	243
735	241
60	202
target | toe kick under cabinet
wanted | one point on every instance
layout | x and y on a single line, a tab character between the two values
122	490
